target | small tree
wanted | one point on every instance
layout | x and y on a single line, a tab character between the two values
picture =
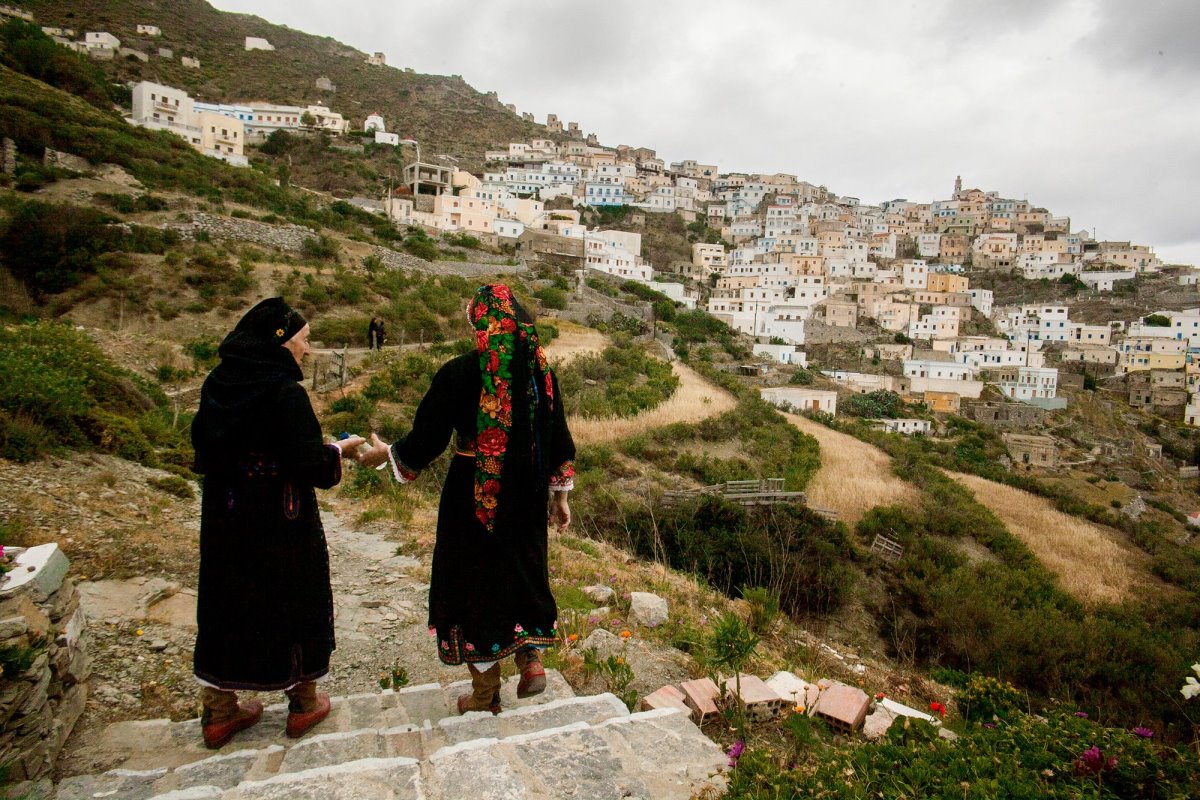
1158	320
731	646
308	120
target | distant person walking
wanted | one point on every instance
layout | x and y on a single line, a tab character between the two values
380	335
264	607
489	595
373	333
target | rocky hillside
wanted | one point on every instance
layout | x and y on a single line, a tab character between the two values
444	113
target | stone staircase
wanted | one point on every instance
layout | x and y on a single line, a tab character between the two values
408	745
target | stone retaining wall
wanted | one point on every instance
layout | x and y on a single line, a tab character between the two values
292	237
39	610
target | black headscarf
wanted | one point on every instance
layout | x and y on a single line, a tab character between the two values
253	365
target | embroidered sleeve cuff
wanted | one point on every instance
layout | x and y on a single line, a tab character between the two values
563	479
400	472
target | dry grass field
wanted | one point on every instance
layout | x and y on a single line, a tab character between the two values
1090	561
695	399
854	476
574	340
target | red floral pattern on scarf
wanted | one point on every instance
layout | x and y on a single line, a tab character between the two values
496	330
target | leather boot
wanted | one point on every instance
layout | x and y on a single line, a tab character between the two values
485	691
306	707
223	716
533	677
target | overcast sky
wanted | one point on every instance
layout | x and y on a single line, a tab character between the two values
1086	107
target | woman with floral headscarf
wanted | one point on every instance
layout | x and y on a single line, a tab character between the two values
489	596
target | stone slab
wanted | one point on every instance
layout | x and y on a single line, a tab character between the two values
666	750
366	779
480	764
123	783
223	771
192	793
424	702
901	710
328	749
575	762
39	570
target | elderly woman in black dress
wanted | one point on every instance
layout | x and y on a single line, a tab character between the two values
265	608
489	595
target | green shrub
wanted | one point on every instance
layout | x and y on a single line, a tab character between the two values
173	485
764	608
986	698
551	297
620	381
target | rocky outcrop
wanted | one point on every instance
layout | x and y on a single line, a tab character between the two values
45	661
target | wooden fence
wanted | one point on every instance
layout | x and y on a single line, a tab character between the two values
763	492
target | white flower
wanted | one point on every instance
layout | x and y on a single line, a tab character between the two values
1191	688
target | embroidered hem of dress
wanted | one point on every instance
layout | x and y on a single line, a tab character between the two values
400	472
458	654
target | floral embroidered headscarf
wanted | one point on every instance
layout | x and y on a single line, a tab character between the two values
493	314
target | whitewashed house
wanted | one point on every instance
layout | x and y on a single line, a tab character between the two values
801	399
149	30
374	122
905	427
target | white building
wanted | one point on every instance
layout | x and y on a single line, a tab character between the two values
1032	383
255	43
981	300
906	427
101	41
149	30
801	399
387	138
783	353
1106	281
216	134
374	122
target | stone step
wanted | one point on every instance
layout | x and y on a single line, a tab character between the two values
324	751
150	744
656	754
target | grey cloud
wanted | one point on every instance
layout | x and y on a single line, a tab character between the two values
1158	38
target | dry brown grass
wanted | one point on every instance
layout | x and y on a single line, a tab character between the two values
854	476
574	340
695	400
1090	561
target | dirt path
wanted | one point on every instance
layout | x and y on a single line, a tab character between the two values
854	476
1091	561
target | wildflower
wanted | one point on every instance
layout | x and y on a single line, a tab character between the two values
1093	762
1191	687
735	752
573	637
704	619
799	709
879	695
937	708
1145	733
625	634
138	632
626	596
593	620
989	725
1081	714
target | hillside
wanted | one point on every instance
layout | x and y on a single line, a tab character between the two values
442	112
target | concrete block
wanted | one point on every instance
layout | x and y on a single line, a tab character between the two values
796	690
845	707
761	701
701	697
665	697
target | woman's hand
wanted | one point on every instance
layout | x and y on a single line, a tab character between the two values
560	511
347	445
377	455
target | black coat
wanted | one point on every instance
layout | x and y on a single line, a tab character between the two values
489	594
265	608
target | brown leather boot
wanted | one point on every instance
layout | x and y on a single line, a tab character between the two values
306	707
485	691
533	677
223	716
